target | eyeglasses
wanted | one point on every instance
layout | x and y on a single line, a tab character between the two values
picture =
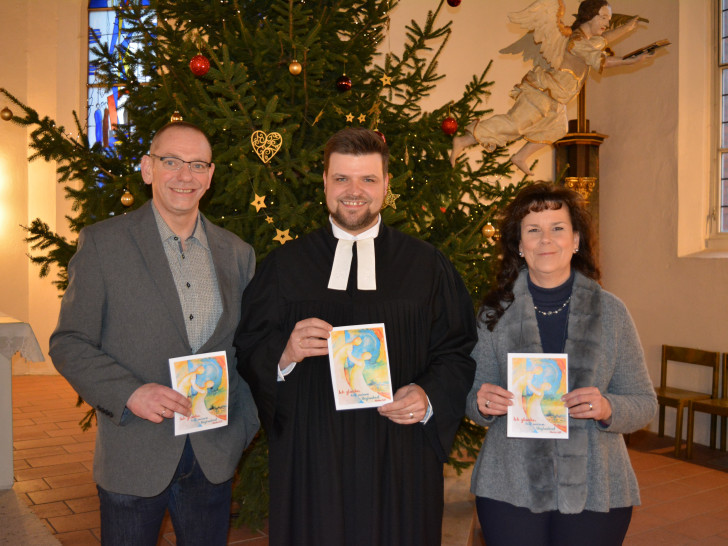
175	164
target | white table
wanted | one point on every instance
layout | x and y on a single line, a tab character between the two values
14	336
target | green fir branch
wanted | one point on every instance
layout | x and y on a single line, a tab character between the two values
248	87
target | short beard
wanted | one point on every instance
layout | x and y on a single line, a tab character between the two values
366	221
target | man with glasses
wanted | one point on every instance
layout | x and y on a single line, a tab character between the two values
153	284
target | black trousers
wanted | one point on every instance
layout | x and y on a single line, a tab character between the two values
504	524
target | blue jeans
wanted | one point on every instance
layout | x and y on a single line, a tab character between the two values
200	510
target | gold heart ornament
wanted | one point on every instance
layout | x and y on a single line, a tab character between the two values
266	145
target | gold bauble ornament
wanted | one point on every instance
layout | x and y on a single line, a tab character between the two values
176	117
295	68
127	199
488	230
6	114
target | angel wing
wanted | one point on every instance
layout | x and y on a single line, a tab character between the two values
528	49
546	40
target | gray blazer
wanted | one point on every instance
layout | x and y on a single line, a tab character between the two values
120	322
591	470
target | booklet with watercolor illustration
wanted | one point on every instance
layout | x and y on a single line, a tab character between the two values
360	366
538	381
203	379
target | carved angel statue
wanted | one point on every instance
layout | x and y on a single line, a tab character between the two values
562	59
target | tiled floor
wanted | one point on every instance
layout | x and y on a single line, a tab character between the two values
53	461
683	503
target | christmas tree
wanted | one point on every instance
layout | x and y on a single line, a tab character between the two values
270	81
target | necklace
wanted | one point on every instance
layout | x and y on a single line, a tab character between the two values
555	311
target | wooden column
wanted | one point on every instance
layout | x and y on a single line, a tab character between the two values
577	158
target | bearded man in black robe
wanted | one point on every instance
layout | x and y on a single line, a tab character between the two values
361	477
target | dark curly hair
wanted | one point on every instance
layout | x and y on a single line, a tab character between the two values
588	9
536	198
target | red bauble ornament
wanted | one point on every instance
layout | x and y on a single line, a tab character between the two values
449	126
381	135
199	65
453	3
343	83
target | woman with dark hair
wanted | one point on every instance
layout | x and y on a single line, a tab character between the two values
547	299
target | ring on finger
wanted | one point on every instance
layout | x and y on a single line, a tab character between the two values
590	406
487	403
164	412
412	415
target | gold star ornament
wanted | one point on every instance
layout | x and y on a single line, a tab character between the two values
390	199
269	219
362	118
349	117
259	202
386	80
282	236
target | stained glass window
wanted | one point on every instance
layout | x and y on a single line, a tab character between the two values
106	105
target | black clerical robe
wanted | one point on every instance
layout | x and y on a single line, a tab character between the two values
354	477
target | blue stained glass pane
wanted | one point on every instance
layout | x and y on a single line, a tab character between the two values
105	28
102	4
106	106
105	111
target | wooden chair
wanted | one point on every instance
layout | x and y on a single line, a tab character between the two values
715	407
680	398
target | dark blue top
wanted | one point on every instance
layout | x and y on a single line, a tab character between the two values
552	313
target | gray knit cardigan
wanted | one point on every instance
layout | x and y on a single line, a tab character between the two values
590	470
